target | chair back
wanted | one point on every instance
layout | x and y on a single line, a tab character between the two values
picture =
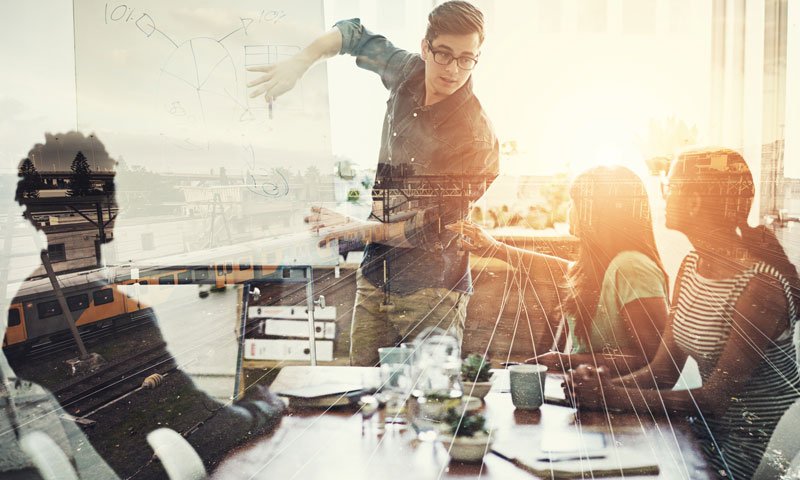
48	458
782	457
176	454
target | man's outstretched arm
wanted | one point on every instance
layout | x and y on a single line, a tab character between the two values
281	77
372	51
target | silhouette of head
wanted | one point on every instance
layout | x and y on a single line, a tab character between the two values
66	165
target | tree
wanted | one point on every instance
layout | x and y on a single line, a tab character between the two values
80	182
556	195
31	181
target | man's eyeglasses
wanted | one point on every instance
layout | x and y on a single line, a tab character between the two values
666	188
444	58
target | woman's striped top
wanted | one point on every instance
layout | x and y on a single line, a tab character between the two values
702	323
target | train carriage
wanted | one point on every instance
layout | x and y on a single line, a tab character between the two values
102	296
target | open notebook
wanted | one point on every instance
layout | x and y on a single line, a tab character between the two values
324	395
570	453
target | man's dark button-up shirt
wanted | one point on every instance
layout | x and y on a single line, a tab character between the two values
434	161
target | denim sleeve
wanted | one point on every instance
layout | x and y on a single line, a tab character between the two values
375	53
425	229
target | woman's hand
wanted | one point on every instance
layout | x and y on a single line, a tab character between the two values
590	387
474	238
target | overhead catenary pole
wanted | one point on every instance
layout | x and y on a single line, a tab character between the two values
62	301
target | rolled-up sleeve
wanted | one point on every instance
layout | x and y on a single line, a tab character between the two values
480	165
375	53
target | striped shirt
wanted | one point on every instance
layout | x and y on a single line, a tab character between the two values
703	320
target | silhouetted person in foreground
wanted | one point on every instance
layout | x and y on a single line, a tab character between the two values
211	428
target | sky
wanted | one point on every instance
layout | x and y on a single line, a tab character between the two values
573	87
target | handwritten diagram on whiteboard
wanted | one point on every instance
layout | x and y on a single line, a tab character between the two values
177	70
163	86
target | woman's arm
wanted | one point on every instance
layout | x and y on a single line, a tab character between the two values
664	369
646	318
759	317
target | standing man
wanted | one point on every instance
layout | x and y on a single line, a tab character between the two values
438	154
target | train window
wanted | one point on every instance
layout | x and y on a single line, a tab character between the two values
185	277
13	317
101	297
48	309
229	267
256	271
244	264
220	270
143	286
166	280
57	252
78	302
201	273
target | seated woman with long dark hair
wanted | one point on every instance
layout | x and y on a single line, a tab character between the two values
616	308
734	312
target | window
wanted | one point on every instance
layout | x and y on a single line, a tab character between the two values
101	297
13	317
166	280
201	274
220	270
229	267
57	252
185	277
244	264
78	302
48	309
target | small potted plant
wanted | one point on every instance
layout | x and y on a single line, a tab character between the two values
468	440
476	379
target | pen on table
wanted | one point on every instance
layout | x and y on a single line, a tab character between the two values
570	459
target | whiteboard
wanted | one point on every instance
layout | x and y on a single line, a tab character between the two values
163	86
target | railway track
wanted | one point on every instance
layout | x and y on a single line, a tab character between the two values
86	394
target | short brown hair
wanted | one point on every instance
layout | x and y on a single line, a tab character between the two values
455	17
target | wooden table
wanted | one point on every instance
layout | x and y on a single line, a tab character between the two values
314	444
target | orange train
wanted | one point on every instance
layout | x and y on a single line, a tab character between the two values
99	297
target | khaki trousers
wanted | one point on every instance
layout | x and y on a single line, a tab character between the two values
372	328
